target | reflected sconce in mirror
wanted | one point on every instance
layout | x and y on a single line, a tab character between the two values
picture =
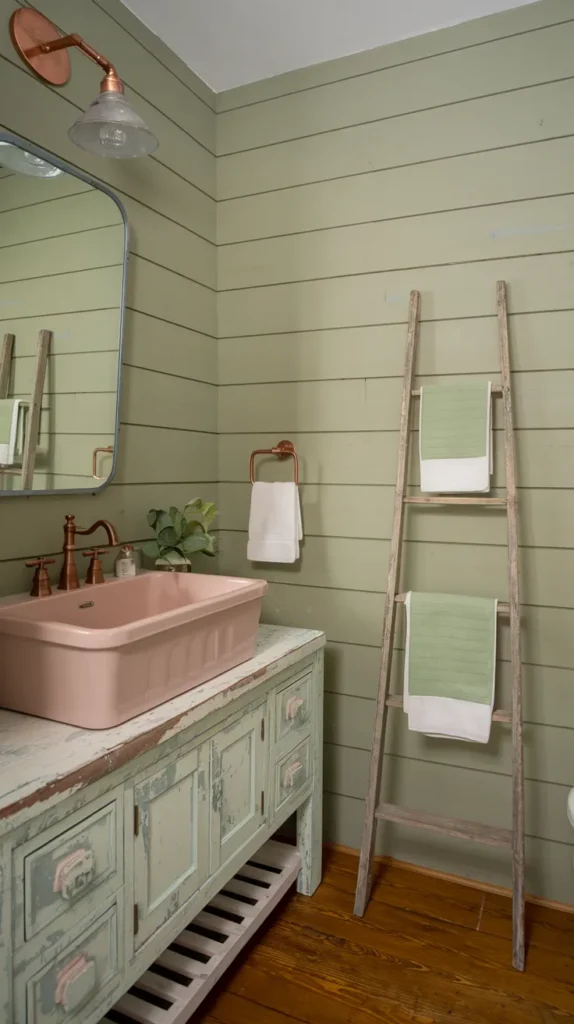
110	127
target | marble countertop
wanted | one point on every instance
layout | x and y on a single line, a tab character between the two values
41	760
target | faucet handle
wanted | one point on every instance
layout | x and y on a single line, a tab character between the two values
41	586
95	573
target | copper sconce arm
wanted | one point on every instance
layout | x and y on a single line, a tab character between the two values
40	44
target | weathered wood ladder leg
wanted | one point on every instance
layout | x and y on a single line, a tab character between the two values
364	881
518	947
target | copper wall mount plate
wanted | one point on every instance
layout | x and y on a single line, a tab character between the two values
29	31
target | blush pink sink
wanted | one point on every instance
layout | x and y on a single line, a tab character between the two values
97	656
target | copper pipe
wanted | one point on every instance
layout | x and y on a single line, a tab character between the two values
283	450
69	574
111	83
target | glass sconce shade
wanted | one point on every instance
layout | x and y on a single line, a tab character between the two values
26	163
111	128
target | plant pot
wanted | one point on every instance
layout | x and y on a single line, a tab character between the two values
173	568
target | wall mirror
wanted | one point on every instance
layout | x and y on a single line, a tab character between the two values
63	246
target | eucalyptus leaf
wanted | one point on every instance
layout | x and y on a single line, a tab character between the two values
192	506
151	549
168	537
152	516
175	557
210	544
177	520
192	525
209	512
197	542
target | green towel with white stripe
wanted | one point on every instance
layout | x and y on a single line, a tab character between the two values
455	432
450	660
9	413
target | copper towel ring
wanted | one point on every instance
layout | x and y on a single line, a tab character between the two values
284	450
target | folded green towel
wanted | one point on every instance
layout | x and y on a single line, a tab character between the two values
6	418
451	647
455	420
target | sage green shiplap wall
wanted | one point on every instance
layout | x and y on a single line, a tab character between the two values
168	439
440	163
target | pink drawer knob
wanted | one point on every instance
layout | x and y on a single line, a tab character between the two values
293	705
290	773
74	873
75	983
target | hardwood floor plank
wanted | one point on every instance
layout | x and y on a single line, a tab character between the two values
428	951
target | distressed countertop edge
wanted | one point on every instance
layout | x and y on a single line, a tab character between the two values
73	758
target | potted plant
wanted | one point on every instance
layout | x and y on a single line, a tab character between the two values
179	535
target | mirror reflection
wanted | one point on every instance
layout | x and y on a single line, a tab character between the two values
62	265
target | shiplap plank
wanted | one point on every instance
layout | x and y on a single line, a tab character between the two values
55	294
511	119
349	724
84	331
79	413
353	617
358	564
514	63
19	191
164	400
162	293
352	670
148	454
535	283
405	51
80	372
89	250
545	458
541	401
503	175
549	872
494	232
171	245
66	216
546	517
44	116
170	348
539	341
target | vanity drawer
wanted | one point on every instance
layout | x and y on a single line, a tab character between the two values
293	706
292	773
69	987
60	874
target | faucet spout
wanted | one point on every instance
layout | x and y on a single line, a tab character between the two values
112	536
69	574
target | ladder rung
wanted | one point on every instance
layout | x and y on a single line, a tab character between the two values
444	500
448	826
502	608
396	701
496	389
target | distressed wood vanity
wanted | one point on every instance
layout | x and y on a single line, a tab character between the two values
114	842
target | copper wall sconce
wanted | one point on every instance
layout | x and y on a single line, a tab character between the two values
110	127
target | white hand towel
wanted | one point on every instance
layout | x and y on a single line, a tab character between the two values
275	526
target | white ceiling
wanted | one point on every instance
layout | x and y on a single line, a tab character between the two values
232	42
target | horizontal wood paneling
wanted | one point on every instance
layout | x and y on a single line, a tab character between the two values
354	617
82	331
545	458
539	341
156	344
164	400
546	517
78	372
536	283
497	176
492	122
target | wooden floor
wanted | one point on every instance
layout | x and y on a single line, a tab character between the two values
428	951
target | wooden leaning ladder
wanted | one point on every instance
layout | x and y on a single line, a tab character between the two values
512	839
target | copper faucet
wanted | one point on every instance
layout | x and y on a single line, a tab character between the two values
69	573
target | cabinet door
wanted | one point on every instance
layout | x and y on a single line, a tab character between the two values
171	845
238	766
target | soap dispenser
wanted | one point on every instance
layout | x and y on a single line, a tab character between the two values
125	563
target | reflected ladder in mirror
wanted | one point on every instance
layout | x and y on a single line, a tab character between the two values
34	405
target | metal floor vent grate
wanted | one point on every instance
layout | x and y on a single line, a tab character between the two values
175	985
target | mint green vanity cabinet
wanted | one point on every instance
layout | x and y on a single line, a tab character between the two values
239	774
171	822
111	842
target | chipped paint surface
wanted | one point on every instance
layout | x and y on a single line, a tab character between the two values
42	760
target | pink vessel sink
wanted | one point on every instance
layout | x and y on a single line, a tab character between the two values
97	656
